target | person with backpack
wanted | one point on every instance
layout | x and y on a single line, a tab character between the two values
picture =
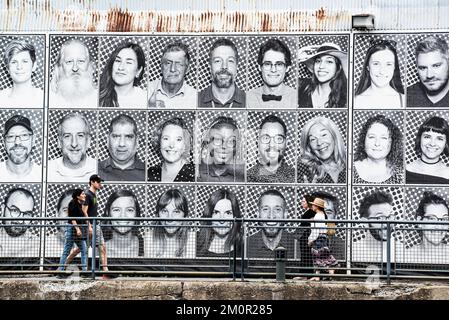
319	240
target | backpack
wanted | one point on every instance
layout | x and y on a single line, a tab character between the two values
330	227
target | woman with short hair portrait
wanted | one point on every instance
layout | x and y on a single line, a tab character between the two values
378	155
380	84
431	143
121	76
323	156
20	61
172	140
327	87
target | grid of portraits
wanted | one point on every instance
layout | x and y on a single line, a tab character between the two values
199	122
38	42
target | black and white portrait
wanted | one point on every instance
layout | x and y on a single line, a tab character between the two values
220	146
170	239
71	154
170	148
73	72
270	203
121	145
322	147
378	147
379	71
221	72
323	71
369	238
21	146
219	239
172	72
122	67
428	70
426	243
22	75
20	237
272	73
427	151
123	238
271	147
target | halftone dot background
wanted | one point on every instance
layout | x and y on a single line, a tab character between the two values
252	211
205	119
414	196
156	48
361	117
414	119
359	193
412	41
157	118
338	192
53	120
363	42
37	78
203	73
104	120
254	77
252	136
36	119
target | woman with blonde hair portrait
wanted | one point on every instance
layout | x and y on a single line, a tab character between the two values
327	88
380	84
431	143
121	77
20	61
323	153
378	156
172	140
171	239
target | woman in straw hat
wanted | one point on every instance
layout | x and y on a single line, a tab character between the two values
327	88
319	241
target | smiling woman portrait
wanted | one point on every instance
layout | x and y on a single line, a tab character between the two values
431	143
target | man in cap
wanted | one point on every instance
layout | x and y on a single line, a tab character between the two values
18	138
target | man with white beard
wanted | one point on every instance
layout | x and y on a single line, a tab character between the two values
223	92
272	143
19	142
72	84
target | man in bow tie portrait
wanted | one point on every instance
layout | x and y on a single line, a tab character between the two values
274	62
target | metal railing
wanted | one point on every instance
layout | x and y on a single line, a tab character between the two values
238	248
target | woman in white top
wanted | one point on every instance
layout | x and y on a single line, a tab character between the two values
380	84
20	61
121	77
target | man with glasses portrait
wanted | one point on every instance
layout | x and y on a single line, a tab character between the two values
15	237
272	142
19	141
172	90
274	63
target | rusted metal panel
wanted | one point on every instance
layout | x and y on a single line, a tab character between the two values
218	16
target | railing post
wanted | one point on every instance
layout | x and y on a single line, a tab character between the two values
234	254
242	253
93	244
388	253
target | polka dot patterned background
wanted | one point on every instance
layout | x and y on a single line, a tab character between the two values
359	193
37	78
414	119
254	121
363	42
36	120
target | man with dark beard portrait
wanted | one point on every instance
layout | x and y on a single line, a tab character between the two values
72	84
433	72
223	92
19	142
272	143
271	206
15	238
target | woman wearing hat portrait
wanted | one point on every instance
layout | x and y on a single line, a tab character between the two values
380	84
319	241
327	87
